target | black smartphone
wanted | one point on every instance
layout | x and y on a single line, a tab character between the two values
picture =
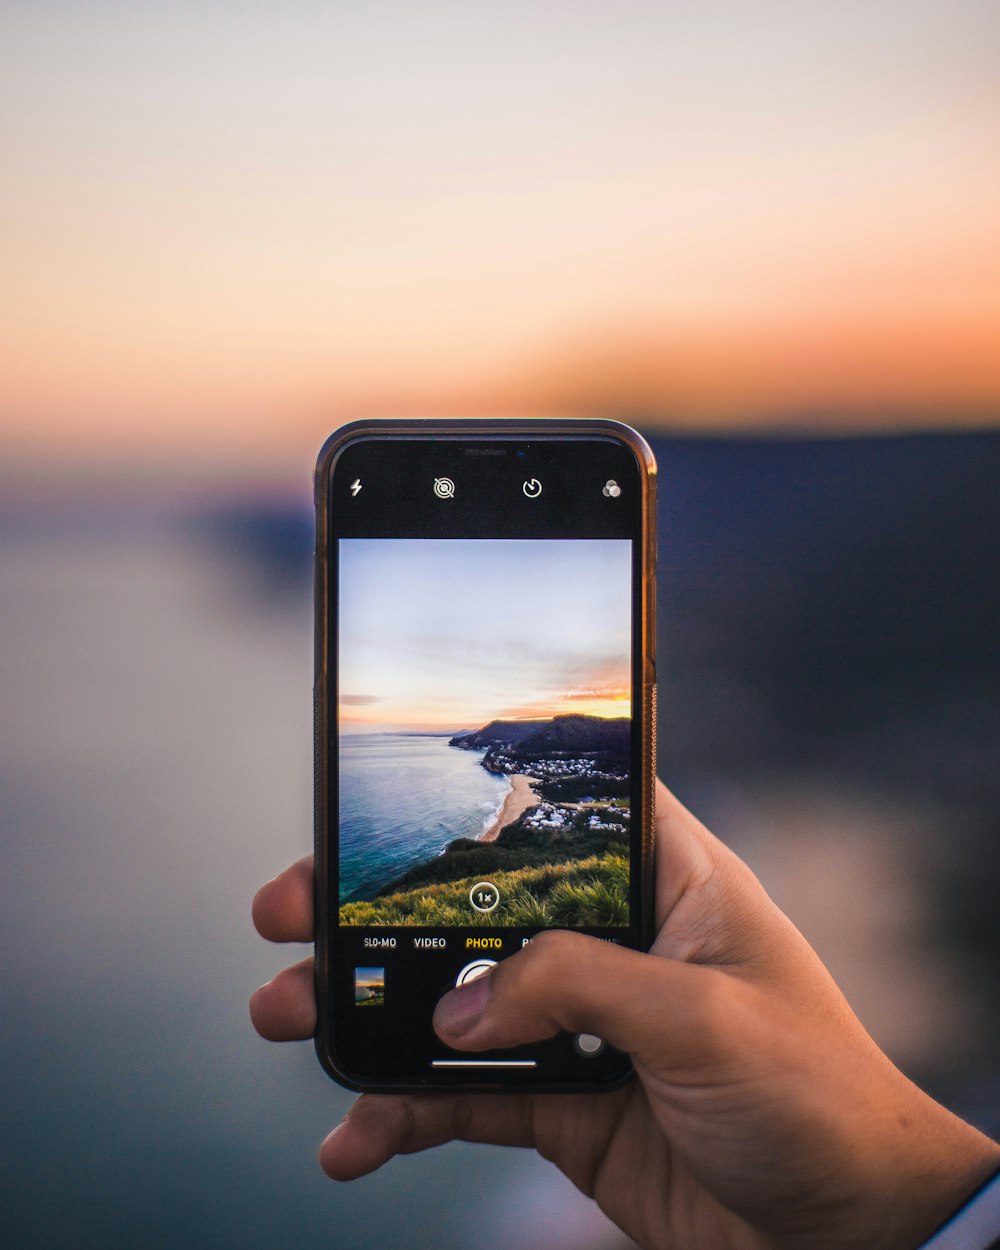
485	715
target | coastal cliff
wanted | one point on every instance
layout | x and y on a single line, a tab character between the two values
594	736
575	828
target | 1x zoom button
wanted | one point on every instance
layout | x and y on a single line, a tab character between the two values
484	896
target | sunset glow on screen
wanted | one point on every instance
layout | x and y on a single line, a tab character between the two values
449	634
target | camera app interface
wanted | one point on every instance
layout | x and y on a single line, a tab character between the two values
484	710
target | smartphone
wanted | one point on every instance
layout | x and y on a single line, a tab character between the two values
485	713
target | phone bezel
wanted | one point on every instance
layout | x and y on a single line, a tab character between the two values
644	714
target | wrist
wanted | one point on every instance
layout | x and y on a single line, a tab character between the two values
976	1223
952	1193
935	1165
908	1165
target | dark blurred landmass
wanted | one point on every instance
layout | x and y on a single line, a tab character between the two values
841	600
830	603
832	607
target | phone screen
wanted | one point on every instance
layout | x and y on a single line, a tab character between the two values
484	661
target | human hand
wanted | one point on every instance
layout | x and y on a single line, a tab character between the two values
762	1113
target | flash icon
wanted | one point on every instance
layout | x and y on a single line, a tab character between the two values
355	487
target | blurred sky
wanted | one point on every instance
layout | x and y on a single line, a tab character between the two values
450	634
228	226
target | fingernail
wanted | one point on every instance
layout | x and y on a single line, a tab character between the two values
462	1008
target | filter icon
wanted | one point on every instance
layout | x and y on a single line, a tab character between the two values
611	489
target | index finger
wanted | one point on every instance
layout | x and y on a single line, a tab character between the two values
283	908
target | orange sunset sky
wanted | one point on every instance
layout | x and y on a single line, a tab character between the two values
226	228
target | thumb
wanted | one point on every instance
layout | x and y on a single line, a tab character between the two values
661	1011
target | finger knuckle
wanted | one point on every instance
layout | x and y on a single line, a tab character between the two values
713	1012
551	950
547	959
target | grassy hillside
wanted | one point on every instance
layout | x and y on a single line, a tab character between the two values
591	891
517	847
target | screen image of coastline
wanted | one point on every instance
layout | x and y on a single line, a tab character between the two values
484	730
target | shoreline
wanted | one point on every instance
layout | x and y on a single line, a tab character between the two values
517	801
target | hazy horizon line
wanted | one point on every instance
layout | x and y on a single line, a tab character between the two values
373	727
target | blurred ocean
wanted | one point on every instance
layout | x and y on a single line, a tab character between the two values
403	798
830	694
155	768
